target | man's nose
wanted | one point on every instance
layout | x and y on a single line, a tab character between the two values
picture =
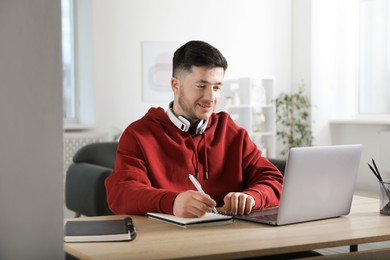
209	94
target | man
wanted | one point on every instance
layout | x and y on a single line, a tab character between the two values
157	153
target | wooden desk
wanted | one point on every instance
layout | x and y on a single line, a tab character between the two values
157	240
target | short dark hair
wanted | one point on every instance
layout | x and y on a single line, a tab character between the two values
199	54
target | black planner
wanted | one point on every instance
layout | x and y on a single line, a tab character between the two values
100	230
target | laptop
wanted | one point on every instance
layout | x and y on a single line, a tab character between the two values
319	182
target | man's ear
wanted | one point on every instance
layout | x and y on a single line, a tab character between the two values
175	83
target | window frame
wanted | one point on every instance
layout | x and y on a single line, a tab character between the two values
71	108
82	57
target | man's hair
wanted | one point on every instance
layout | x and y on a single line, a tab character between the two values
199	54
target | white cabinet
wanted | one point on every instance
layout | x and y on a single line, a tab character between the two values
250	103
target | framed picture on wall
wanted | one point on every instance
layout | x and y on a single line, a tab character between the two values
157	70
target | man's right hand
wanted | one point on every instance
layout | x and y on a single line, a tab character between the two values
190	204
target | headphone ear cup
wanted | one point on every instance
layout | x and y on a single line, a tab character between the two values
185	123
180	122
201	127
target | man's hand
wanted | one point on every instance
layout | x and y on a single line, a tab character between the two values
191	204
237	203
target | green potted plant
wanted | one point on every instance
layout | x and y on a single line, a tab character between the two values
293	120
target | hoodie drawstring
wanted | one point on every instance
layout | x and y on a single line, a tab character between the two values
197	163
206	157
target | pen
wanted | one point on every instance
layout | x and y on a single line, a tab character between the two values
379	176
375	171
199	188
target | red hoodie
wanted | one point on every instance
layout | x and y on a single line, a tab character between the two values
154	159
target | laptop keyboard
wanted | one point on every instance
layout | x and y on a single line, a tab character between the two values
270	217
268	214
264	212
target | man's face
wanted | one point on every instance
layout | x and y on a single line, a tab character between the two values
197	92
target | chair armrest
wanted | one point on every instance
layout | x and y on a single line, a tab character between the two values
85	192
279	163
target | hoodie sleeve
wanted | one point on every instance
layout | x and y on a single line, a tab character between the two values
263	180
129	190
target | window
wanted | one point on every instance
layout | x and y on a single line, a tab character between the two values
77	64
68	60
374	56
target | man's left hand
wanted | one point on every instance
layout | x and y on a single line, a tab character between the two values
238	203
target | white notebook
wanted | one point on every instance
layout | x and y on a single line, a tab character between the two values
209	219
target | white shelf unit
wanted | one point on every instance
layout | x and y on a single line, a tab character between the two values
250	103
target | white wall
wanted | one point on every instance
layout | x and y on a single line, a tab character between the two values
254	35
31	180
368	134
301	45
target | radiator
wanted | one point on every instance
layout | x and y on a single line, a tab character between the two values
74	141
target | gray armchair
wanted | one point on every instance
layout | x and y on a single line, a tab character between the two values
85	193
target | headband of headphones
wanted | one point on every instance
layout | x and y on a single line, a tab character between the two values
183	124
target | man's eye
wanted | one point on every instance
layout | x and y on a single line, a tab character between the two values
217	88
201	86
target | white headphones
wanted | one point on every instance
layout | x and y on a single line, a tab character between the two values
183	124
